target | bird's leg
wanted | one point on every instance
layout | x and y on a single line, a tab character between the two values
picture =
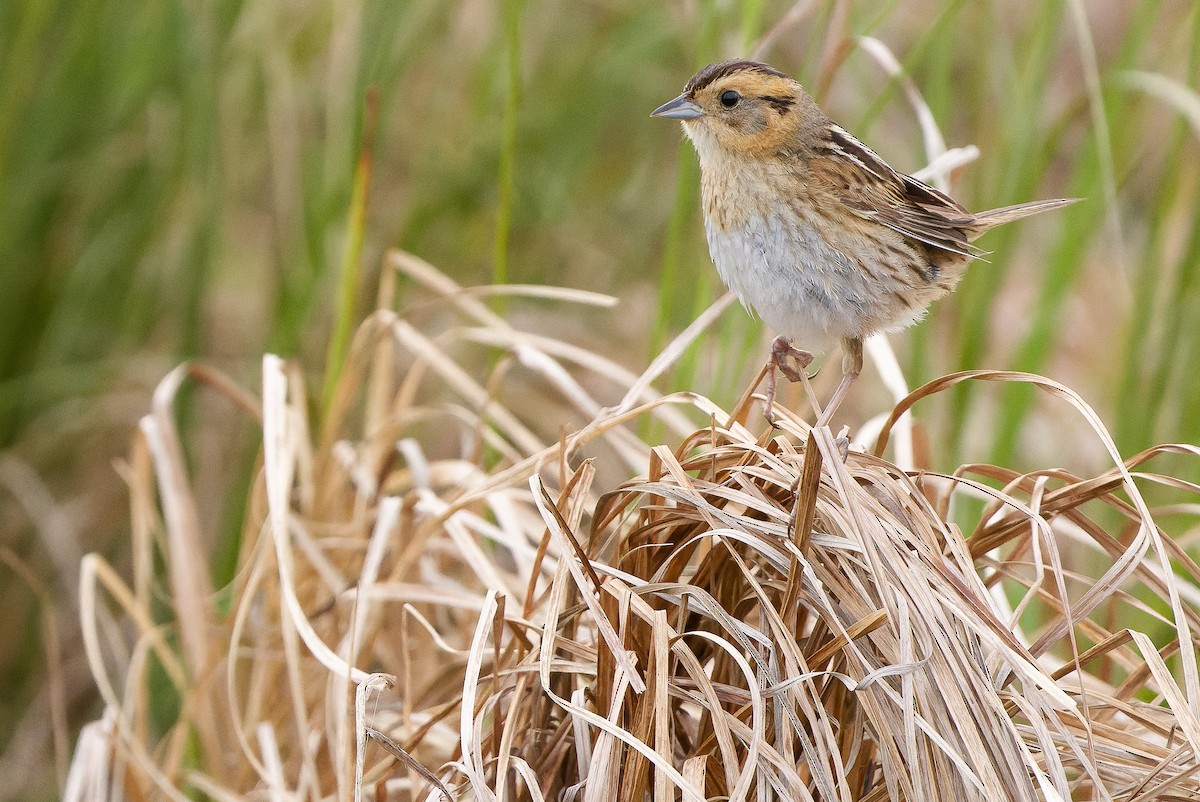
852	362
783	353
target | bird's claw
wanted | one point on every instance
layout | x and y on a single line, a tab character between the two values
790	360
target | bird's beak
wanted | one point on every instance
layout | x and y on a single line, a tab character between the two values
678	109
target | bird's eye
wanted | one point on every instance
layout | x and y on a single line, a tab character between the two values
730	98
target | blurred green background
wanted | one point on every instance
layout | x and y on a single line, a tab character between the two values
176	183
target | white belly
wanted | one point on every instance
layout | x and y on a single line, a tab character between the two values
799	285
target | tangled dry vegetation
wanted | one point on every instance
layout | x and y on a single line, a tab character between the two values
436	598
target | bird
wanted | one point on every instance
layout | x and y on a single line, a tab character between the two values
810	228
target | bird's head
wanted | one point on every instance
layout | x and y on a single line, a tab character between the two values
742	107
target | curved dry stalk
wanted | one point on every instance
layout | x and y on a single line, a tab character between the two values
758	615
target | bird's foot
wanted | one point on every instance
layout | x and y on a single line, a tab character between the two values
784	354
788	360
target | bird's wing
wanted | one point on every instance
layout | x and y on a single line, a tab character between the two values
869	187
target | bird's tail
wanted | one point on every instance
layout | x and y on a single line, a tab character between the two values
998	217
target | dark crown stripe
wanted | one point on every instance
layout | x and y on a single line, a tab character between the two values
714	71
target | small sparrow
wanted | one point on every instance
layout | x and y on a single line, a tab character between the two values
810	227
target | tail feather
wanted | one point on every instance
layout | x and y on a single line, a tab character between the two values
998	217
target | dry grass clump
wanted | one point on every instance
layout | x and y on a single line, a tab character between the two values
435	598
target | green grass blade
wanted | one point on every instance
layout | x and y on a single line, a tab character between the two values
350	270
